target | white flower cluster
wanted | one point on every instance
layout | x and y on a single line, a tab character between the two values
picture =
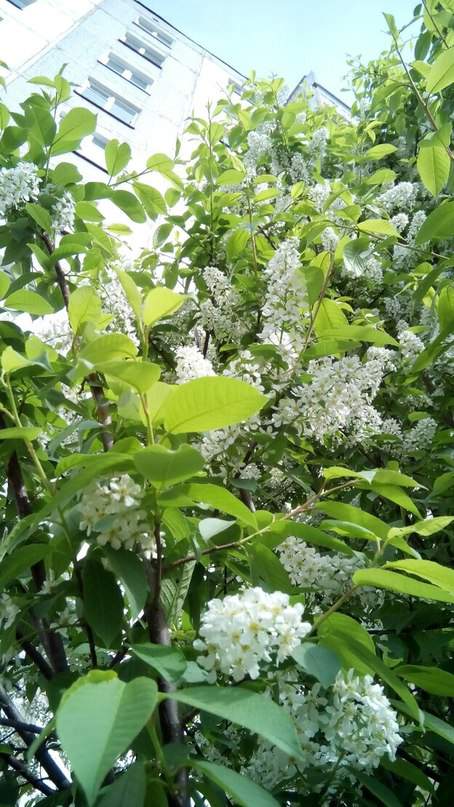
337	404
318	142
400	196
400	221
191	364
329	240
347	728
259	148
319	194
217	314
286	299
63	213
18	185
243	630
368	268
410	345
420	437
8	611
299	169
247	369
361	726
112	511
328	574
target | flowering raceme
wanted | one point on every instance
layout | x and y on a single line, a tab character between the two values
112	512
242	631
18	185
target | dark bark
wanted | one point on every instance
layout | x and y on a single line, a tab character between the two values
29	777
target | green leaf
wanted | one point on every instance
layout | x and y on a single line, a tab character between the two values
439	224
13	566
379	790
5	283
318	661
21	433
427	569
310	534
129	569
138	374
242	790
129	204
152	201
445	310
221	499
382	578
254	712
380	151
84	306
12	360
378	227
77	124
355	516
441	72
127	790
97	720
329	317
211	403
169	662
161	302
164	467
267	571
108	347
433	164
230	177
40	215
361	333
381	176
236	243
382	476
103	603
431	723
117	156
29	302
427	527
88	212
431	679
132	293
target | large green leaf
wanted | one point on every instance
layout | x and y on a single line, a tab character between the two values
248	709
319	661
84	306
210	403
169	662
378	227
103	603
428	570
128	567
379	790
21	433
97	720
117	156
29	302
431	679
127	790
242	790
433	164
76	124
108	347
441	72
354	515
13	566
439	224
141	375
221	499
164	467
161	302
400	583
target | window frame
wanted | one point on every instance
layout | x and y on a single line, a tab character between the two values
148	59
132	71
110	94
155	34
17	4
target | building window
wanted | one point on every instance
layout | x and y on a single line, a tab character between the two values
21	3
153	30
144	50
124	70
93	150
110	102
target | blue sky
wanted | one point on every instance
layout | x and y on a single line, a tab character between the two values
287	37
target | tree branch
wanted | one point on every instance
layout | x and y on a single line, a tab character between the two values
29	777
42	754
